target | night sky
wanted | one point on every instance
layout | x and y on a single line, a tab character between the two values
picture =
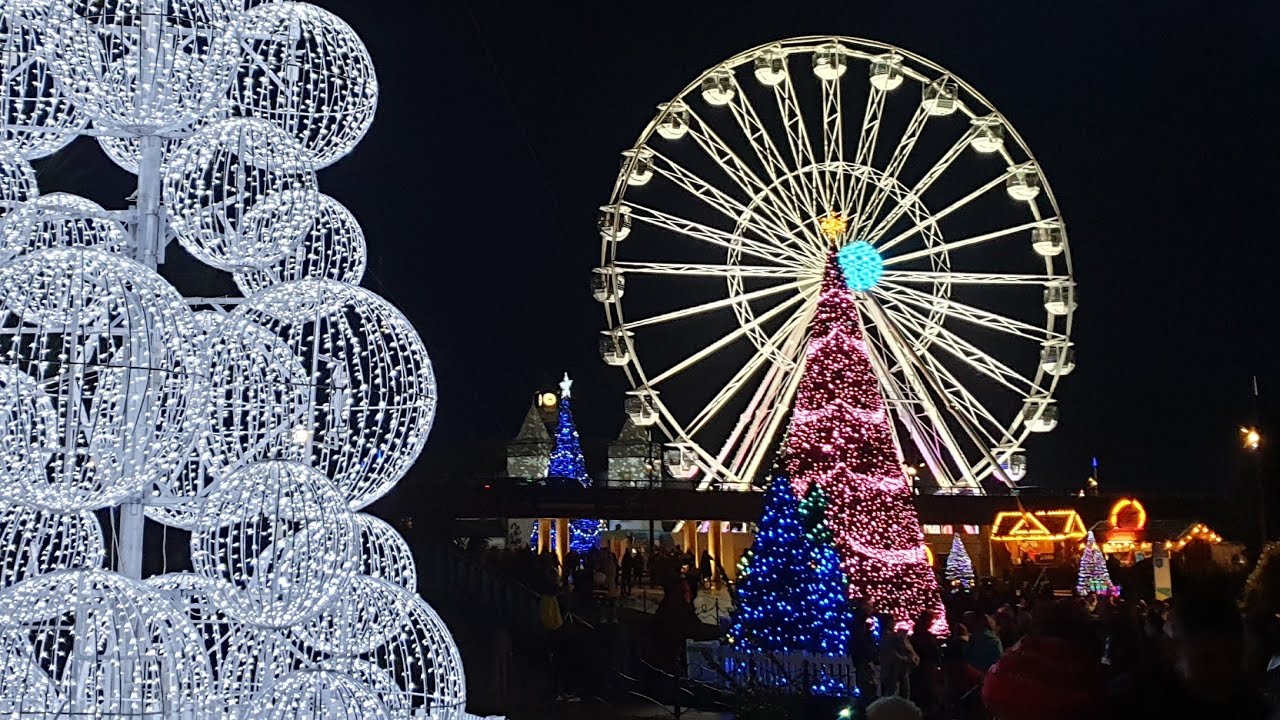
500	125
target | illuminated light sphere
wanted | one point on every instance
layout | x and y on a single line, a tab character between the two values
60	220
142	65
371	394
255	659
310	694
98	644
126	150
384	554
241	194
861	264
380	684
17	180
102	377
36	542
193	597
279	542
36	119
423	661
333	249
305	70
358	621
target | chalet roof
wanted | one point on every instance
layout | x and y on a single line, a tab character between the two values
633	441
1062	524
533	437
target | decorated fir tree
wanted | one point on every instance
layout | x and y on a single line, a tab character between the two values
828	598
1093	576
959	566
568	464
840	438
773	613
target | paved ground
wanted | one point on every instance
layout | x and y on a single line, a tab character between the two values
711	604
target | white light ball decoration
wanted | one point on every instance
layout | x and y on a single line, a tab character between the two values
333	249
423	660
193	597
126	150
98	644
34	542
313	694
356	622
175	500
110	347
241	194
384	554
372	394
142	65
256	658
305	70
60	220
36	119
17	180
279	542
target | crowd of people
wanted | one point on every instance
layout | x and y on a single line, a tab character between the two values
1204	654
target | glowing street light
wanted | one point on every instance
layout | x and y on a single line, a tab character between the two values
1251	437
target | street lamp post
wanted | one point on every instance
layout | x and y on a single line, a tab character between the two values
1252	441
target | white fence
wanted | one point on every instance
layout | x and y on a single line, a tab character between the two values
721	665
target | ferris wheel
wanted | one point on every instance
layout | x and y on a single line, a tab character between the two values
793	155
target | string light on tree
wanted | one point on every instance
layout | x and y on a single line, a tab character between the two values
839	437
959	567
568	463
1093	576
829	588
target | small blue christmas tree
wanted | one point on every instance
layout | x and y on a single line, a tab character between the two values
568	463
959	566
828	588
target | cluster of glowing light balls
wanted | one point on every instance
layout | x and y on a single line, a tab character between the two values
256	428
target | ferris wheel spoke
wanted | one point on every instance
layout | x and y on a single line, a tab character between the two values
740	173
693	269
833	143
798	140
760	218
767	151
929	277
715	347
778	254
978	316
773	345
964	350
979	416
880	192
852	204
934	218
917	191
717	304
947	247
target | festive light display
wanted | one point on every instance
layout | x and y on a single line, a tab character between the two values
568	463
59	220
333	249
255	434
100	375
1093	576
828	597
180	56
241	192
36	119
94	643
959	567
861	264
305	70
839	438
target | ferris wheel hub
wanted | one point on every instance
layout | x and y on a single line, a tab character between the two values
861	264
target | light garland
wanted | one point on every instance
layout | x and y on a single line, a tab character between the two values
384	554
839	438
126	150
17	177
241	193
333	249
59	220
36	118
305	70
37	542
310	694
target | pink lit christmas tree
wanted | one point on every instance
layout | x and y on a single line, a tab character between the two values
840	438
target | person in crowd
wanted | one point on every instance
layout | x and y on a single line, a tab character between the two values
961	682
926	679
705	568
984	647
893	708
897	658
863	651
1208	677
628	571
1054	673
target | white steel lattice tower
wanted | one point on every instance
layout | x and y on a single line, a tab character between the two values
253	427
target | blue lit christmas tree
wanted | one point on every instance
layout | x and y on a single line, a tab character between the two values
772	614
829	589
959	566
567	463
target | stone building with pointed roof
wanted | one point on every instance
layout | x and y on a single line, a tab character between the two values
529	454
634	458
